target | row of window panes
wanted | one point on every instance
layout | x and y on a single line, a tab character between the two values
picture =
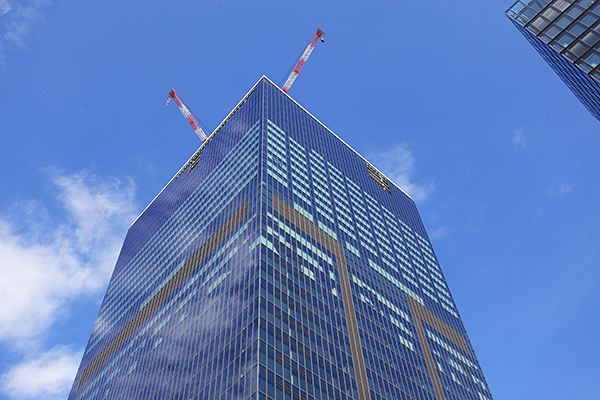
120	301
414	244
241	161
525	12
376	332
129	302
568	34
369	224
313	334
153	351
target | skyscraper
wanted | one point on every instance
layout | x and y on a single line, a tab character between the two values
566	33
278	264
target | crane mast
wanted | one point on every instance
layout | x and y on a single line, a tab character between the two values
311	46
188	115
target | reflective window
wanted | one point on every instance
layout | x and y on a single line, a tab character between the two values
551	13
590	38
578	49
575	11
518	6
593	59
539	23
528	13
568	54
585	66
553	31
588	19
562	4
576	29
564	21
565	39
537	5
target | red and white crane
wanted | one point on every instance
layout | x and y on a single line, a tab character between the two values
302	60
187	114
286	87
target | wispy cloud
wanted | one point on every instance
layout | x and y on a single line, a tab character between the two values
398	164
46	376
562	189
4	7
48	264
20	18
519	138
440	233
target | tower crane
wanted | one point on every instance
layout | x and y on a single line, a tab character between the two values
302	60
187	114
286	87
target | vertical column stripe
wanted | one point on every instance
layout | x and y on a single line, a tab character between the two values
419	314
337	249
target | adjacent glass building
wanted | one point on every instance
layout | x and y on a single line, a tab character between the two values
278	264
566	33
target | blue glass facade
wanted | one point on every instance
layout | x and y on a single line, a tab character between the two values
566	33
278	264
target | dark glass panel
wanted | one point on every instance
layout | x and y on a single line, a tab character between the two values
564	21
576	29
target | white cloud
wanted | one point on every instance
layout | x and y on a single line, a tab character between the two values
564	188
47	264
440	233
5	7
47	376
21	19
398	165
519	138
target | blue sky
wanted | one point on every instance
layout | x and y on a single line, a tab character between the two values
447	99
